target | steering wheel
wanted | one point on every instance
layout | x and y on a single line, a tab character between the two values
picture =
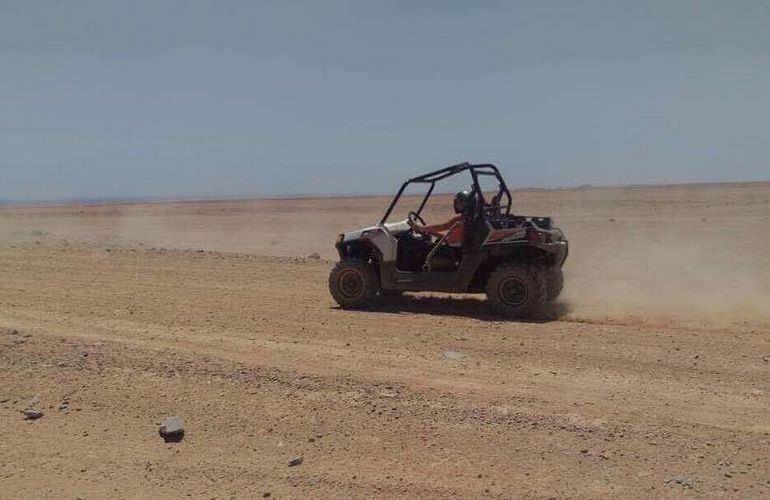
413	217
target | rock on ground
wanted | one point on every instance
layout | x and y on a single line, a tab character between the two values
32	414
172	429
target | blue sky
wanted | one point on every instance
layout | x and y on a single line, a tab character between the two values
107	99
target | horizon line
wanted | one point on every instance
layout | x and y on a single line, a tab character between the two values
131	200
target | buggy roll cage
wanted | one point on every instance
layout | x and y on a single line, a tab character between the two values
485	169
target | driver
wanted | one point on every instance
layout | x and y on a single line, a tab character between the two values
462	205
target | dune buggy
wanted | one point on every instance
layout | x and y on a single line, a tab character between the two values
515	259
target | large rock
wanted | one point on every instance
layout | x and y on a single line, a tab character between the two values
172	429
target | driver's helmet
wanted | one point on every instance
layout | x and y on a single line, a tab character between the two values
463	202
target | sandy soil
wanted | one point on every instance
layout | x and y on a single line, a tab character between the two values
650	378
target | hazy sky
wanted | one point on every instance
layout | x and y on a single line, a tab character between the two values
184	98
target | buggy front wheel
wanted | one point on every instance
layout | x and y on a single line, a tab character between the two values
353	283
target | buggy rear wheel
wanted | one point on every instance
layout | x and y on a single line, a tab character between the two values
517	290
554	282
353	283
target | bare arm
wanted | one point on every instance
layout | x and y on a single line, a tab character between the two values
436	229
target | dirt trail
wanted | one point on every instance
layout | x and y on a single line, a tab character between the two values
429	397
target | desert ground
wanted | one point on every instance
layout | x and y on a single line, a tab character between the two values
650	377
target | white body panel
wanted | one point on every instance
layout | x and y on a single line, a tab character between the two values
382	236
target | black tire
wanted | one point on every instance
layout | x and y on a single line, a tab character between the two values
554	282
517	290
353	284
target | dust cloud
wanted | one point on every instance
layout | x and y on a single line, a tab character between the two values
691	253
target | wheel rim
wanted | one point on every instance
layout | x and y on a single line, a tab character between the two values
513	292
351	284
